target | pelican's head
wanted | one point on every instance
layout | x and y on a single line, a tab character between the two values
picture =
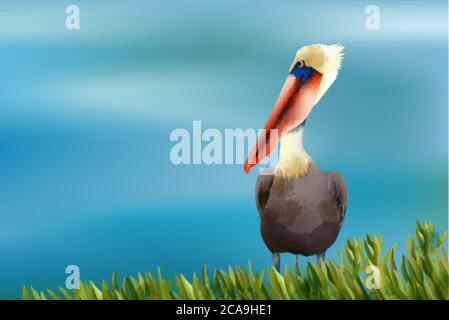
323	59
312	72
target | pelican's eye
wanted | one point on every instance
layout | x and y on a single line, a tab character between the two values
300	64
301	71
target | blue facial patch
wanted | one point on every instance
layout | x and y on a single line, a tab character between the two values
304	71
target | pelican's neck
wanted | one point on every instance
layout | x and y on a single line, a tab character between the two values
294	162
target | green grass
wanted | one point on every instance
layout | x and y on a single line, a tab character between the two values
422	273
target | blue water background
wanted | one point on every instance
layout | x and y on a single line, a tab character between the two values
85	119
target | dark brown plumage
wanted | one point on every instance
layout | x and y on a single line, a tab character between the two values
303	215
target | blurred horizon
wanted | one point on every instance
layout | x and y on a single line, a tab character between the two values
86	116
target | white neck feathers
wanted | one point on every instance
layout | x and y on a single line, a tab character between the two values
294	162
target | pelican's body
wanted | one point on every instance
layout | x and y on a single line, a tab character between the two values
301	207
301	216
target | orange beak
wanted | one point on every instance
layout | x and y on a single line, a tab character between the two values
292	107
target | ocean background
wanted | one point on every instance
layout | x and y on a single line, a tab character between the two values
86	115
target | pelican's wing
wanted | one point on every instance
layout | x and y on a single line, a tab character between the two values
339	192
263	186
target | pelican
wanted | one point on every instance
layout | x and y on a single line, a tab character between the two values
301	207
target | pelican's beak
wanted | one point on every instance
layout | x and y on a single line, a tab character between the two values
295	101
